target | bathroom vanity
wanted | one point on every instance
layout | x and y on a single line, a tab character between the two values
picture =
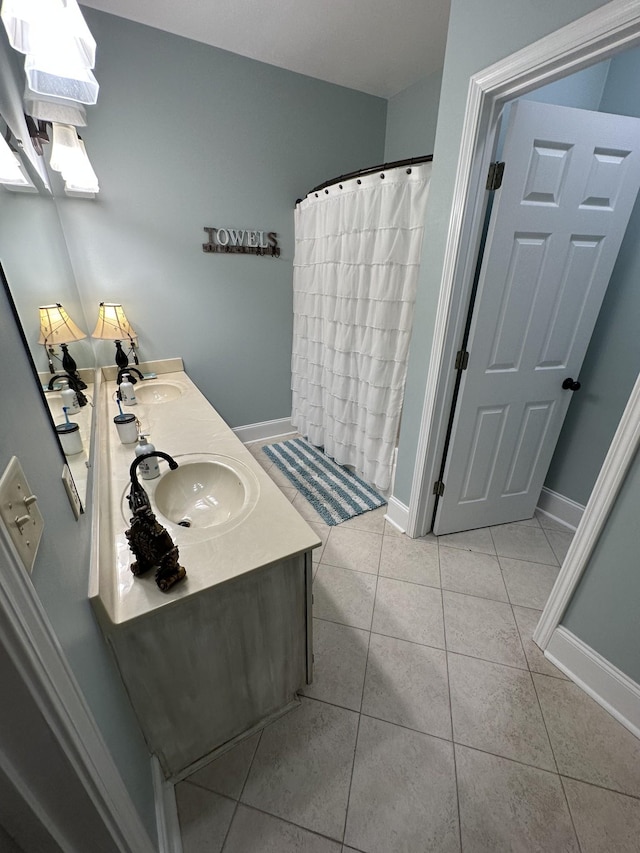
228	647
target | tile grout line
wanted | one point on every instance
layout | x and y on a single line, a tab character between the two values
355	748
364	681
553	550
453	744
546	728
233	817
239	800
288	822
600	787
566	799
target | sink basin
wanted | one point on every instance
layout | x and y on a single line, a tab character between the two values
157	392
206	491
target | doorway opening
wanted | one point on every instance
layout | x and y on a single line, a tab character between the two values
597	36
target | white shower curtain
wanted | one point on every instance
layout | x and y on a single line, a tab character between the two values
355	270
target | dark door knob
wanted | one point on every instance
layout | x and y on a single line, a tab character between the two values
570	385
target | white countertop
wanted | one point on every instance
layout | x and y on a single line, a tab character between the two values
272	531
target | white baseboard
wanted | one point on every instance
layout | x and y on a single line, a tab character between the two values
560	508
397	514
169	838
265	430
610	687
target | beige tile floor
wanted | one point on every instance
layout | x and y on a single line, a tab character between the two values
434	723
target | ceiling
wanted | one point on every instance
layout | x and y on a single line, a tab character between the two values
375	46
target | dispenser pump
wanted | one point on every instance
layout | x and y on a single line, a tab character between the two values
127	394
149	468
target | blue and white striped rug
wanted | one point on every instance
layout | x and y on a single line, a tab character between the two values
333	491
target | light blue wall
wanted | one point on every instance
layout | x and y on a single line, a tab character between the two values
582	90
412	116
604	609
185	136
612	362
479	35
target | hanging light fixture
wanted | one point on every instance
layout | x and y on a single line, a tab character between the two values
49	26
57	328
113	325
58	46
12	175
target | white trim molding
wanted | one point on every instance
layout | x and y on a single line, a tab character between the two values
610	687
265	431
29	640
560	508
397	514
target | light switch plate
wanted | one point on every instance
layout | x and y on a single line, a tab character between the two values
19	513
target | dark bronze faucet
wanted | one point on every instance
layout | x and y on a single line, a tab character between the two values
129	370
74	382
150	542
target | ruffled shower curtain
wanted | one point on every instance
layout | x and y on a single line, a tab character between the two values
355	269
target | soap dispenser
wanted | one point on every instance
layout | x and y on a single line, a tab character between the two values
149	468
127	394
69	398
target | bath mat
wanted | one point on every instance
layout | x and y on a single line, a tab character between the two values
334	492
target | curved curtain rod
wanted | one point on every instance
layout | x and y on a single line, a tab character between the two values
395	164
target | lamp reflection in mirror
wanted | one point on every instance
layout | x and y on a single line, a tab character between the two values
113	325
57	328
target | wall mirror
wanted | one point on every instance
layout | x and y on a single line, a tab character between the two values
37	271
36	266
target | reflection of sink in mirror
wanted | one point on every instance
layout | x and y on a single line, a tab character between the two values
157	392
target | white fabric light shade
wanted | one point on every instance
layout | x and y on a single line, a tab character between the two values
356	264
51	27
56	327
10	171
58	46
51	109
112	323
56	76
69	157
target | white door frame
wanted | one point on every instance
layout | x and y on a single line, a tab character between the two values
28	638
592	38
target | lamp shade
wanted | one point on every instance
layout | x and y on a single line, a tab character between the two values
112	323
56	327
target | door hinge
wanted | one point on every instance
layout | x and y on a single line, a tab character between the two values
462	360
494	178
438	488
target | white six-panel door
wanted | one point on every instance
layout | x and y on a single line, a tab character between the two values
570	182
